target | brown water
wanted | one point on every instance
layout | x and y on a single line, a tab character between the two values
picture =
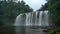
28	30
7	30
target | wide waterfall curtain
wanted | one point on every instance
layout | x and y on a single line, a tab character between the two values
38	18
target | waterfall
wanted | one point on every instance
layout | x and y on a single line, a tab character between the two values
18	20
38	18
28	16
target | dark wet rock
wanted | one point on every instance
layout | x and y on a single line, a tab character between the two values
35	27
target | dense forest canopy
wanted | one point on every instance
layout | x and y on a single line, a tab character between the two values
10	9
54	7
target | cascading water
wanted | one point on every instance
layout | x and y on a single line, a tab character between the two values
38	18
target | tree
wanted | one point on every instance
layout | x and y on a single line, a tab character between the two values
54	7
9	10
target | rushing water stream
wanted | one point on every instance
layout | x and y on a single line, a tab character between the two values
32	20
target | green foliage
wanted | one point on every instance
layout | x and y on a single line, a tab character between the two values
53	31
9	10
54	7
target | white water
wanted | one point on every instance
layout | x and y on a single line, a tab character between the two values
38	18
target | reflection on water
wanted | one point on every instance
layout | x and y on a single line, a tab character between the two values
12	30
21	30
7	30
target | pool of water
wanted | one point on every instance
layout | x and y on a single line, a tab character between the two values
7	30
23	30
